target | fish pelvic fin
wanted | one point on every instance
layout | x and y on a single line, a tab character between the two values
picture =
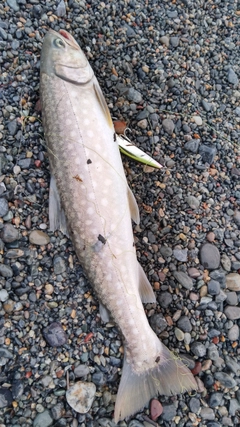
145	289
133	206
169	377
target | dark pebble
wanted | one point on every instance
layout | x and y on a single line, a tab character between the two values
3	207
184	324
9	233
55	335
215	400
209	256
169	412
6	397
208	153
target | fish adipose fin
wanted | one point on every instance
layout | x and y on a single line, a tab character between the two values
104	313
57	219
102	102
169	377
145	288
133	207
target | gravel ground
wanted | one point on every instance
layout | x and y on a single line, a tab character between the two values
171	71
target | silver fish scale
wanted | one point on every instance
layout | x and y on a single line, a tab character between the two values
94	197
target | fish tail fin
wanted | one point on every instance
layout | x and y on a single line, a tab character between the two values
169	377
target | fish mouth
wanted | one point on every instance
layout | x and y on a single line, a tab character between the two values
67	37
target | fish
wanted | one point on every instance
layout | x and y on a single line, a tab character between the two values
91	202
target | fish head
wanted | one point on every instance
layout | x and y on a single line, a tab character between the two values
61	56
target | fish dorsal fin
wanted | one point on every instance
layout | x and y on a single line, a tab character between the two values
57	219
145	289
133	207
102	103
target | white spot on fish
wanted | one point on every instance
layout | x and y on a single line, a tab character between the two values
86	121
73	133
88	222
77	161
90	133
91	196
104	202
107	182
68	121
90	210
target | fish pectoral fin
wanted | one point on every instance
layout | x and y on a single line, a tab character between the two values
102	103
133	207
104	313
57	219
168	377
145	288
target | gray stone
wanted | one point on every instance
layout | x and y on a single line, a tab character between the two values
174	41
80	396
57	411
5	353
12	127
232	365
55	335
9	233
209	256
208	153
219	276
164	40
61	9
232	77
233	333
81	371
179	334
17	389
237	111
44	419
37	237
207	413
134	95
3	295
135	423
5	397
166	252
207	107
236	215
192	145
3	207
6	271
168	126
213	287
158	323
98	378
25	163
184	324
198	349
232	298
3	34
226	262
169	412
180	254
213	352
143	124
13	4
234	406
183	279
59	265
194	405
193	202
165	299
216	399
233	282
232	312
225	379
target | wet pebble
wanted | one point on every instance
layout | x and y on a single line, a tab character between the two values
55	335
232	313
180	254
156	409
59	265
233	333
183	279
80	396
81	371
233	282
198	349
193	202
6	271
184	324
44	419
194	405
169	412
225	379
208	153
5	397
9	233
168	126
3	207
207	413
37	237
216	399
3	295
209	256
213	287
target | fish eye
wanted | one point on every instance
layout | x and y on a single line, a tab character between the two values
59	43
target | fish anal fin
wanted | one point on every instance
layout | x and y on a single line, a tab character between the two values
104	313
145	288
169	377
57	219
133	207
103	104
